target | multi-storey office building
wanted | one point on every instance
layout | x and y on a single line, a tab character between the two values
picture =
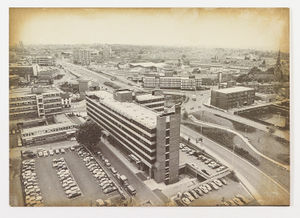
232	97
43	60
170	82
82	56
152	137
153	102
151	82
34	102
183	83
188	83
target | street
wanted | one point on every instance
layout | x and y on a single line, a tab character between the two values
270	192
143	192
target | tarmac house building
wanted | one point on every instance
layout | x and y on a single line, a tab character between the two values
151	136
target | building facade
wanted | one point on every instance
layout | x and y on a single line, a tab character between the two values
47	133
43	60
232	97
34	102
183	83
153	102
150	136
82	56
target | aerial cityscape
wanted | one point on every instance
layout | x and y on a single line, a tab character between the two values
163	122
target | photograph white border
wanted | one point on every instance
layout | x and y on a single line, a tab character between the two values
238	212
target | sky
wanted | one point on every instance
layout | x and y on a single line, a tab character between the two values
256	28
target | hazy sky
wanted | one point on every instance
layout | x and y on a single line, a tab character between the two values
228	28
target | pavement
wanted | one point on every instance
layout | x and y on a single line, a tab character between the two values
15	187
264	188
123	166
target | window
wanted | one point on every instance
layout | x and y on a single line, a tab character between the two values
168	156
167	163
167	141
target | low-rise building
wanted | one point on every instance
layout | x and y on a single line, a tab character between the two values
65	100
43	60
62	129
34	102
232	97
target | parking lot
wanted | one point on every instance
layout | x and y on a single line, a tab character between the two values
52	190
200	162
224	192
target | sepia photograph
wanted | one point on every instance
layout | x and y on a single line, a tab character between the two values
136	107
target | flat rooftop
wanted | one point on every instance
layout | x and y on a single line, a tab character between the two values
234	89
145	97
46	127
27	91
130	110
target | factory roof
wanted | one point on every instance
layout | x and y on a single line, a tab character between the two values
234	89
130	110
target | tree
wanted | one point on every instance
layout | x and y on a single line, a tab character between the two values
185	115
88	134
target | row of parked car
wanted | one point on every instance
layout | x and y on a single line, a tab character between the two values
32	192
45	153
121	178
210	162
106	184
66	178
237	200
188	197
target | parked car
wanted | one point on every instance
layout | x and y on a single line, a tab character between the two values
131	190
189	196
223	181
100	202
113	170
185	201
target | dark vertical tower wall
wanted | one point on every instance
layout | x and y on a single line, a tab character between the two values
166	167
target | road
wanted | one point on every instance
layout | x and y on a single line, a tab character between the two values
143	192
84	73
244	139
265	189
279	133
